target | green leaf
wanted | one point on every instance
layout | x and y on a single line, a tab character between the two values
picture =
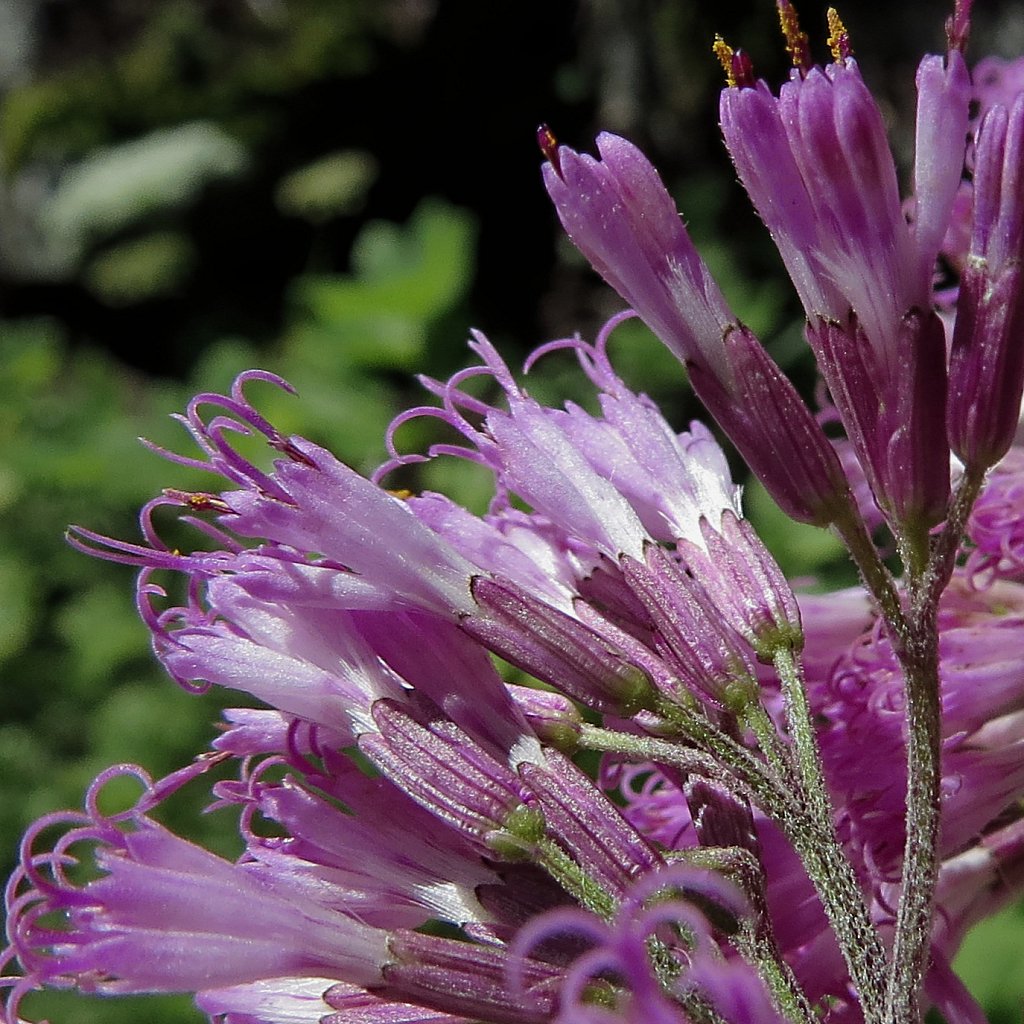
405	279
991	964
335	184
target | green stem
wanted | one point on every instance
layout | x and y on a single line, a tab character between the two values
564	870
844	904
812	837
801	731
918	654
775	751
877	578
740	772
837	886
758	947
914	914
943	559
740	761
645	748
578	883
755	939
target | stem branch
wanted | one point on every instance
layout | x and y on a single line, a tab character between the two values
918	652
877	578
804	824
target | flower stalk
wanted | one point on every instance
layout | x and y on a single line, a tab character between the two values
919	661
918	652
807	824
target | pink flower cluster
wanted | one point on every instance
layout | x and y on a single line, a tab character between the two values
804	801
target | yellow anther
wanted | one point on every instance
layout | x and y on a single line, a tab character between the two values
200	501
402	494
724	52
838	38
546	140
797	45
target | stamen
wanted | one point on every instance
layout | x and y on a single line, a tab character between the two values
797	45
723	51
838	38
198	501
738	68
287	448
549	147
958	25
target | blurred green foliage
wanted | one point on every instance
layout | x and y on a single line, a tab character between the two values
184	64
991	961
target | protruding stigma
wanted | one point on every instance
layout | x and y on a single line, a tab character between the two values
838	38
287	448
958	25
797	45
549	147
739	71
723	51
198	501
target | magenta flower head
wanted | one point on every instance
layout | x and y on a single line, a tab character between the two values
621	217
987	360
365	622
817	165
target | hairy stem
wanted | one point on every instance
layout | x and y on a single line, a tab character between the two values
564	870
877	578
823	855
812	837
943	559
801	731
920	662
775	751
755	939
918	652
743	774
